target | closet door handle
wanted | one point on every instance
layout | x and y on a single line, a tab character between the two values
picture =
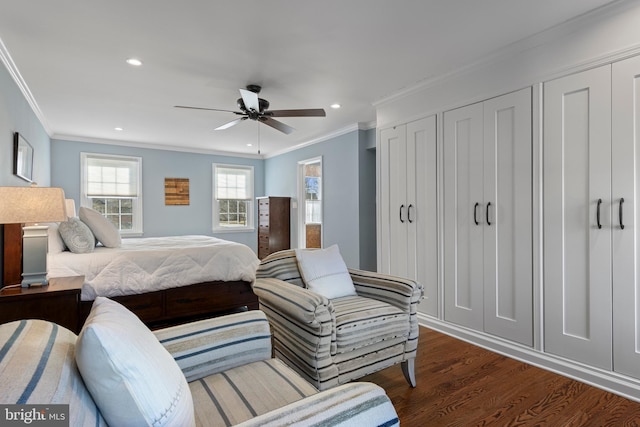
409	214
488	222
620	213
401	207
475	213
598	213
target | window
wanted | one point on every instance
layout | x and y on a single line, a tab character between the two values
112	186
233	197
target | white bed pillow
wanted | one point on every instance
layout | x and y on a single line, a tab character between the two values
77	236
324	272
101	227
55	244
130	375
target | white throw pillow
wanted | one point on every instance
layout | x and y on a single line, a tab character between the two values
55	242
77	236
324	272
130	375
102	228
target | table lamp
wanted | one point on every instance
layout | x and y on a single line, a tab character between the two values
30	206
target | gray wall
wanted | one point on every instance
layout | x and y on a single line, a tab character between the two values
16	115
348	179
158	219
367	200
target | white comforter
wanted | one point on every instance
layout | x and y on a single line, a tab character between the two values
155	263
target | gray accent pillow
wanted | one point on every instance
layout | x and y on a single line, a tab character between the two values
101	227
77	236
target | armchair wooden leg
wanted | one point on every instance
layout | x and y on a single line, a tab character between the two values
409	371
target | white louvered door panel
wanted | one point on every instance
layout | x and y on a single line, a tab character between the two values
577	185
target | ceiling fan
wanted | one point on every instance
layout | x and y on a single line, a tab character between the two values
254	108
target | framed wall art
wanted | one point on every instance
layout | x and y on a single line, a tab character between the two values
22	157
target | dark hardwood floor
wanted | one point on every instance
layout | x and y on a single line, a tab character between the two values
460	384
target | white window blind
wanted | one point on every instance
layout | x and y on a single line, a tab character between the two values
112	177
233	183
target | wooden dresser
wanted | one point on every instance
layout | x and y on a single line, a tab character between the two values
273	225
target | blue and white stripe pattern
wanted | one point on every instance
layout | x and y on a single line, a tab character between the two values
214	345
37	366
331	342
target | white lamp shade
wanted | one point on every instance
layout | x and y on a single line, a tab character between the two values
19	205
71	207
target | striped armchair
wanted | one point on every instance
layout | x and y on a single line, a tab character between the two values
332	342
227	361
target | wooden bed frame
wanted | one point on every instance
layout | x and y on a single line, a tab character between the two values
156	309
184	304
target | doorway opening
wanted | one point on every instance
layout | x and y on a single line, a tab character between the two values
310	206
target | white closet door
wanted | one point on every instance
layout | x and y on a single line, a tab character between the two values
626	185
508	270
422	214
463	216
393	141
577	184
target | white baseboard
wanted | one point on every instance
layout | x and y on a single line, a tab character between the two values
609	381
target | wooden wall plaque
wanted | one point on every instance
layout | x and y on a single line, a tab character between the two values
176	191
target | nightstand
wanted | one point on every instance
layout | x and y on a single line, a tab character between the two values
58	302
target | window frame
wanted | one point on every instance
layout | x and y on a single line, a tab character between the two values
136	204
250	209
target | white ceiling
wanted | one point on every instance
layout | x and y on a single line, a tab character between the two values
71	55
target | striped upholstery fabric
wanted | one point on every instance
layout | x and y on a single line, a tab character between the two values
281	265
403	293
303	326
37	366
356	404
214	345
241	393
361	322
323	340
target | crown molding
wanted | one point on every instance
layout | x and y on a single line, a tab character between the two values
11	67
339	132
152	146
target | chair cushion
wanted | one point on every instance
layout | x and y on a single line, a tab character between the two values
241	393
132	378
324	272
364	321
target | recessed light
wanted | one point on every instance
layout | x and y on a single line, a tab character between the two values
134	61
336	106
249	145
119	129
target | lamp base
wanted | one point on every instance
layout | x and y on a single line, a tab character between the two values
34	255
35	281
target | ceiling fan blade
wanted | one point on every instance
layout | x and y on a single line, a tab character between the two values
231	123
250	100
276	125
309	112
207	109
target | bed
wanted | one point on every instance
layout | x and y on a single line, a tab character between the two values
164	280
